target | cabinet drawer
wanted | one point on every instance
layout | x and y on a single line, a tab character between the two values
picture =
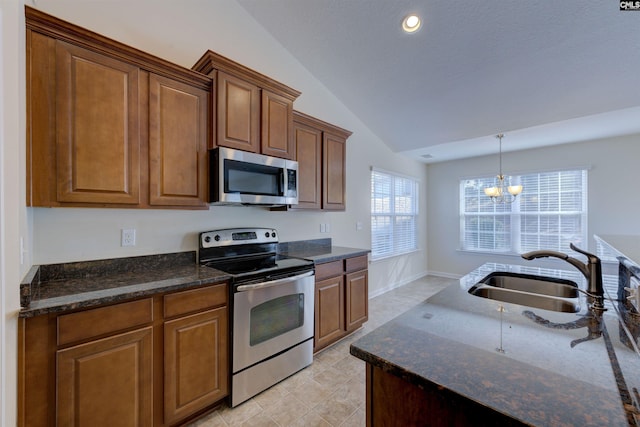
195	300
355	264
328	269
104	320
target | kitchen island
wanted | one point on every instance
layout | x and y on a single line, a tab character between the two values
459	359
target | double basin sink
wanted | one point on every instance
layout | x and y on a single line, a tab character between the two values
548	293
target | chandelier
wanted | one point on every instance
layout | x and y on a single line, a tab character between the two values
502	190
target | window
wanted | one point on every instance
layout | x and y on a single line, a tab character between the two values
394	212
550	213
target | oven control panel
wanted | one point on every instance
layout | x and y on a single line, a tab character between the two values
237	236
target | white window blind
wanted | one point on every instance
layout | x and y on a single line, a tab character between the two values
394	211
550	213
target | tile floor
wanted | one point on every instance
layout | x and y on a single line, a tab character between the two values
330	392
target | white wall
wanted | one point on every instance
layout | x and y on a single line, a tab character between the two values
13	215
181	32
613	205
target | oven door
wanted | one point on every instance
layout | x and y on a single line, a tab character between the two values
271	317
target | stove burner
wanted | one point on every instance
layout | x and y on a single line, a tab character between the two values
248	254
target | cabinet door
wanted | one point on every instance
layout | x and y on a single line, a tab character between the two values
238	113
177	143
195	363
356	299
308	149
98	135
334	174
329	315
106	382
277	125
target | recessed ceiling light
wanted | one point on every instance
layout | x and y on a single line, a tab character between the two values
411	23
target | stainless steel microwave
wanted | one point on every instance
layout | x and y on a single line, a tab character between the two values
242	178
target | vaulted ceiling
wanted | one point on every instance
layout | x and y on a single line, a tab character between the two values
542	72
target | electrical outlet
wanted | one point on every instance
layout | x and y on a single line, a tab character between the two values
128	237
323	228
358	225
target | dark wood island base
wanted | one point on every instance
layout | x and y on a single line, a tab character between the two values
392	401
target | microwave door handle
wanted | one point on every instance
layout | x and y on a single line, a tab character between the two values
283	173
252	287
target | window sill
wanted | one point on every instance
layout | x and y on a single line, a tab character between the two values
485	253
386	257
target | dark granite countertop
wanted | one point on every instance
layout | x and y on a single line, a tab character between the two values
559	369
319	251
58	288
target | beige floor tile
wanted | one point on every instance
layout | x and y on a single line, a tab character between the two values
335	409
311	420
212	420
311	392
260	420
272	396
288	411
358	419
294	382
238	415
330	377
352	391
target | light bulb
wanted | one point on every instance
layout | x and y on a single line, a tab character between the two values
411	23
515	189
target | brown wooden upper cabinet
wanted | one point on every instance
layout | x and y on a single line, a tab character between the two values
252	112
109	125
321	154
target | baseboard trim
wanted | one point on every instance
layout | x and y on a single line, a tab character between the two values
445	275
398	284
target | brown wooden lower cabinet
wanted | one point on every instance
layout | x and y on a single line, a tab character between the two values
155	361
107	382
329	311
195	374
341	299
356	299
392	401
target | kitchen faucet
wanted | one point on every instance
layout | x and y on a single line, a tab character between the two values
592	270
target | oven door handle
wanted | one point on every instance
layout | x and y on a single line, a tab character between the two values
244	288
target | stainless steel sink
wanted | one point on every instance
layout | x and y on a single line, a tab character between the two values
526	299
534	284
547	293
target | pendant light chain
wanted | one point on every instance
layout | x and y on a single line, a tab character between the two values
499	136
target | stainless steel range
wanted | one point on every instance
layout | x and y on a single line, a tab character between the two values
272	305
